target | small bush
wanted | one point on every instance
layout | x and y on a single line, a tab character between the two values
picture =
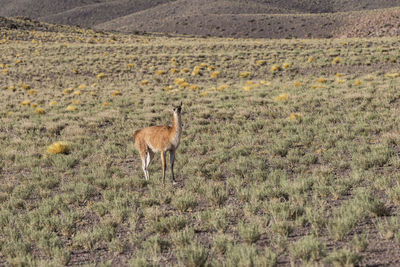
219	220
168	224
307	249
249	232
221	243
184	237
244	255
194	255
218	194
59	147
184	202
343	257
117	246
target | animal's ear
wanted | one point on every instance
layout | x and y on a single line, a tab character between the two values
180	104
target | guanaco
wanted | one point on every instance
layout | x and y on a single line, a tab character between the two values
153	139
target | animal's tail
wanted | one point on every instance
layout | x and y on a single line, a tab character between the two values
135	133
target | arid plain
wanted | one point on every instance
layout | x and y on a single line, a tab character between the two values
289	151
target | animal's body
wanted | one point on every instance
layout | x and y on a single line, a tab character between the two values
154	139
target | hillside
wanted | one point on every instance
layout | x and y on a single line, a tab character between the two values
221	18
227	18
331	6
84	13
91	15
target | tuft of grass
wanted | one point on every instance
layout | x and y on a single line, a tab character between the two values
343	257
282	97
184	237
215	74
249	232
219	220
285	65
25	103
68	90
371	204
307	249
248	255
145	82
116	93
261	62
40	111
336	60
184	202
344	220
217	195
194	255
222	242
71	108
388	228
118	246
275	68
59	147
100	75
295	116
245	74
360	243
168	224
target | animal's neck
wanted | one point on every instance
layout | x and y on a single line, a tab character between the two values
176	124
175	133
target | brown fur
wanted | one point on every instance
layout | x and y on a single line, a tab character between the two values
156	139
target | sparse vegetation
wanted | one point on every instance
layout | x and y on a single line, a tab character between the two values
274	167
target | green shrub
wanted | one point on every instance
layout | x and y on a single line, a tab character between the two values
307	249
194	255
184	202
249	232
343	257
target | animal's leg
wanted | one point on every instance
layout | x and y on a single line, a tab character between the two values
143	158
149	158
171	164
142	148
163	153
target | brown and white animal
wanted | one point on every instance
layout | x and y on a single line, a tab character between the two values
153	139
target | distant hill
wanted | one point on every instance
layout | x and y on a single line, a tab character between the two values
331	6
28	24
85	13
228	18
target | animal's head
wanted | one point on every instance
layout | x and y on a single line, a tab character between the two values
177	109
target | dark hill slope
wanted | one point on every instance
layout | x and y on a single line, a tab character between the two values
228	18
208	17
19	25
331	6
91	15
256	20
36	9
85	13
98	8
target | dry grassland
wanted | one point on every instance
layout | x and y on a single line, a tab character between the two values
289	152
